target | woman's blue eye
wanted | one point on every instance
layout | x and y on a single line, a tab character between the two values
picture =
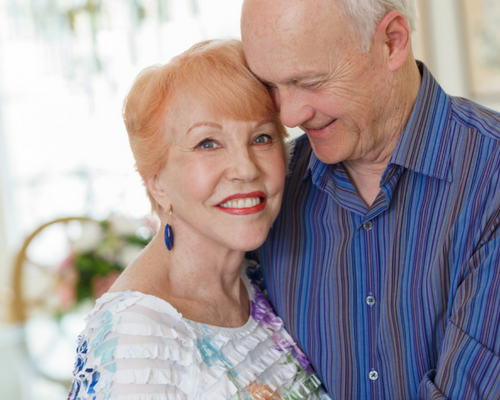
261	139
207	144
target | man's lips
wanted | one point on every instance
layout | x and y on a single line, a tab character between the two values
243	203
318	133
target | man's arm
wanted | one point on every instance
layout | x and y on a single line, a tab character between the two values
469	360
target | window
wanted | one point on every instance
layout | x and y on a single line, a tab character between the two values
65	67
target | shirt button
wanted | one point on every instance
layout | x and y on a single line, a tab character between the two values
371	300
373	375
368	225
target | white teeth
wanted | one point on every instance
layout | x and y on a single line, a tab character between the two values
241	203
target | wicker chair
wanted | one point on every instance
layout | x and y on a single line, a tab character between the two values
33	282
35	298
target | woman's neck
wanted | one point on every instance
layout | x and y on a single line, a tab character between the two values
201	282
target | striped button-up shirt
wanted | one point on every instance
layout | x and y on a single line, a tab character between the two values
400	300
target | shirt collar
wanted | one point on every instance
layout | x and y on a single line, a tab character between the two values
318	170
424	143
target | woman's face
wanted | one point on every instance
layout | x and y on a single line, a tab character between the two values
223	178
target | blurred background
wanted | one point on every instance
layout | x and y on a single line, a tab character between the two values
73	211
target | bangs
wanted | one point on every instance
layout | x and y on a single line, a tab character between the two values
216	75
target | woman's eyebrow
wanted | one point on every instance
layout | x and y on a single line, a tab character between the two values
204	123
264	122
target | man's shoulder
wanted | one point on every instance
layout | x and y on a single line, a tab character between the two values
477	117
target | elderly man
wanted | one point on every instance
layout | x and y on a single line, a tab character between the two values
385	260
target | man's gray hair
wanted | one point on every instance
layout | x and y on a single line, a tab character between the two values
367	14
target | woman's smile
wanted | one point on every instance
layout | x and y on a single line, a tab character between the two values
243	204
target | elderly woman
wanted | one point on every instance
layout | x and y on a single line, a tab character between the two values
187	320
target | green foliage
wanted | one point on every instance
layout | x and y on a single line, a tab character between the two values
94	266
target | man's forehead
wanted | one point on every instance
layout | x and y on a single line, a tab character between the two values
286	22
299	7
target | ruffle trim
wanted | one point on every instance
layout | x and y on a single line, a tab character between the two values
186	355
131	393
277	372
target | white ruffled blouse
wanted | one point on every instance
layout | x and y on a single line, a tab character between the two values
138	347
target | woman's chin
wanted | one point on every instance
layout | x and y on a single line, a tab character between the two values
247	242
244	247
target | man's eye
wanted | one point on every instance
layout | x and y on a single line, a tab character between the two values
311	85
207	144
261	139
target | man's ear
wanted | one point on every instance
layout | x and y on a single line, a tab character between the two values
155	188
393	33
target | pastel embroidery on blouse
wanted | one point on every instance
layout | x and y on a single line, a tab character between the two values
137	346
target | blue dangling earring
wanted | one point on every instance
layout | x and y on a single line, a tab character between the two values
169	235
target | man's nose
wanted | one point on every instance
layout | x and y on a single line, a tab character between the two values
293	108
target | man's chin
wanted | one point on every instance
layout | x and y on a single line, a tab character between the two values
326	152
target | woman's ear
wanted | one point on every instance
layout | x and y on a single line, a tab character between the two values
156	189
393	33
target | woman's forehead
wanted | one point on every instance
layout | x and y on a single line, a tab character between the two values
198	107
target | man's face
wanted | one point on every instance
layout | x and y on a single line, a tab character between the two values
319	79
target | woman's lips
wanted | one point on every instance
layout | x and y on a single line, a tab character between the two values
243	203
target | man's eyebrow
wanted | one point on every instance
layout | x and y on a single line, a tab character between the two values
204	123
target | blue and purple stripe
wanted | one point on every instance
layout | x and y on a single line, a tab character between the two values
431	260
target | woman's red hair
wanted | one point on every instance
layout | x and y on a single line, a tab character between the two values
212	73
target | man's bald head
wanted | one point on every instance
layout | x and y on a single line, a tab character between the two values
290	19
346	97
364	15
290	31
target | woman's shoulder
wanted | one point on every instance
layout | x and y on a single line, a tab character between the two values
133	313
133	338
121	301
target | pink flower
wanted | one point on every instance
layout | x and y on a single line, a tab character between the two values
261	391
66	282
152	223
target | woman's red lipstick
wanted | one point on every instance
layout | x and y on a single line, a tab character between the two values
244	211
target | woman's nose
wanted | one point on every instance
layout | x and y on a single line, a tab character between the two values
243	166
